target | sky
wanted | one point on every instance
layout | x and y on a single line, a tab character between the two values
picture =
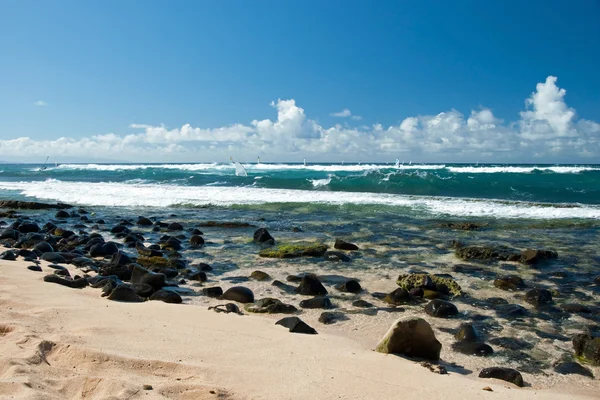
200	81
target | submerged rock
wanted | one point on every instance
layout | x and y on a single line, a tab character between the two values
505	374
412	337
487	253
587	347
294	251
532	257
568	368
261	235
538	297
296	325
509	282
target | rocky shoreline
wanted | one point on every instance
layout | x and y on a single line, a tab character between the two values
147	258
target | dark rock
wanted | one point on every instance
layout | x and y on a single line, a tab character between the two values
429	282
120	271
284	286
509	282
225	224
35	268
125	294
471	348
294	251
196	231
147	252
119	228
350	286
538	297
143	221
587	347
204	267
362	304
511	343
487	253
311	286
72	283
31	205
176	263
397	297
167	296
29	227
62	214
342	245
261	235
412	337
336	256
416	292
43	247
53	258
9	233
259	276
466	333
465	226
329	317
198	276
270	306
170	273
63	272
293	278
511	310
568	368
8	255
296	325
575	308
215	291
441	309
175	226
240	294
505	374
197	241
142	275
532	257
316	302
119	258
496	301
142	289
27	254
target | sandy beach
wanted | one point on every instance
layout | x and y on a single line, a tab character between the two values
63	343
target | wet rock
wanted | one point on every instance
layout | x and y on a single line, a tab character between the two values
466	333
505	374
168	296
465	226
397	297
329	317
142	275
270	306
143	221
8	255
54	257
441	309
28	227
311	286
511	343
575	308
487	253
294	251
9	233
197	241
43	247
261	235
142	289
538	297
147	252
509	282
284	286
169	273
204	267
240	294
350	286
343	245
316	302
175	226
533	257
293	278
474	349
72	283
362	304
431	282
260	276
31	205
587	347
172	244
496	301
511	311
61	214
296	325
336	256
417	292
570	368
125	294
198	276
466	269
214	291
121	271
35	268
412	337
597	280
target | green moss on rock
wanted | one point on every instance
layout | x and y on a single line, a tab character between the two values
430	282
151	262
295	250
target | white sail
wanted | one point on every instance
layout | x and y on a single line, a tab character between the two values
240	170
305	162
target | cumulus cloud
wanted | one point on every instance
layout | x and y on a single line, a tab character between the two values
547	130
40	103
343	114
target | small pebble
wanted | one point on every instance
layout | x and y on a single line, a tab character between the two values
487	388
147	387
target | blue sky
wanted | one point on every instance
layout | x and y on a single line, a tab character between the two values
97	67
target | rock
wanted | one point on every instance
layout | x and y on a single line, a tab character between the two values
119	258
29	227
8	256
261	235
362	304
142	289
260	276
53	257
329	317
431	282
397	297
169	273
441	309
538	297
240	294
575	308
9	233
505	374
350	286
225	224
204	267
342	245
153	262
293	278
147	387
412	337
270	306
43	247
533	257
316	302
294	251
471	348
587	347
167	296
511	343
197	241
198	276
143	221
311	286
120	271
296	325
142	275
487	253
175	226
511	310
465	226
509	282
284	286
72	283
568	368
147	252
62	214
31	205
125	294
336	256
35	268
214	292
466	333
597	280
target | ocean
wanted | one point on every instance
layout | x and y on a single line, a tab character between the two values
404	219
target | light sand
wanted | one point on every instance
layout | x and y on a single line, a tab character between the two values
57	342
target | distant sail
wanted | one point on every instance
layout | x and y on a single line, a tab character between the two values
45	163
258	161
305	162
397	162
240	170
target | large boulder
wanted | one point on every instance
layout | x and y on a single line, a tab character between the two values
412	337
142	275
240	294
533	257
311	286
587	347
261	235
429	282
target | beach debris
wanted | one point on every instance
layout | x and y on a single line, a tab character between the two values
343	245
506	374
412	337
240	294
435	368
226	308
441	309
296	325
270	306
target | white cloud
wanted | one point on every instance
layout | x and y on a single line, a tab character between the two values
344	113
547	130
40	103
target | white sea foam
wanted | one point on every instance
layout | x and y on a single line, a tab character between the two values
153	195
321	182
521	170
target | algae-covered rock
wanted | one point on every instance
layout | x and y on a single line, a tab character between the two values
260	276
151	262
488	253
294	250
587	347
270	306
430	282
